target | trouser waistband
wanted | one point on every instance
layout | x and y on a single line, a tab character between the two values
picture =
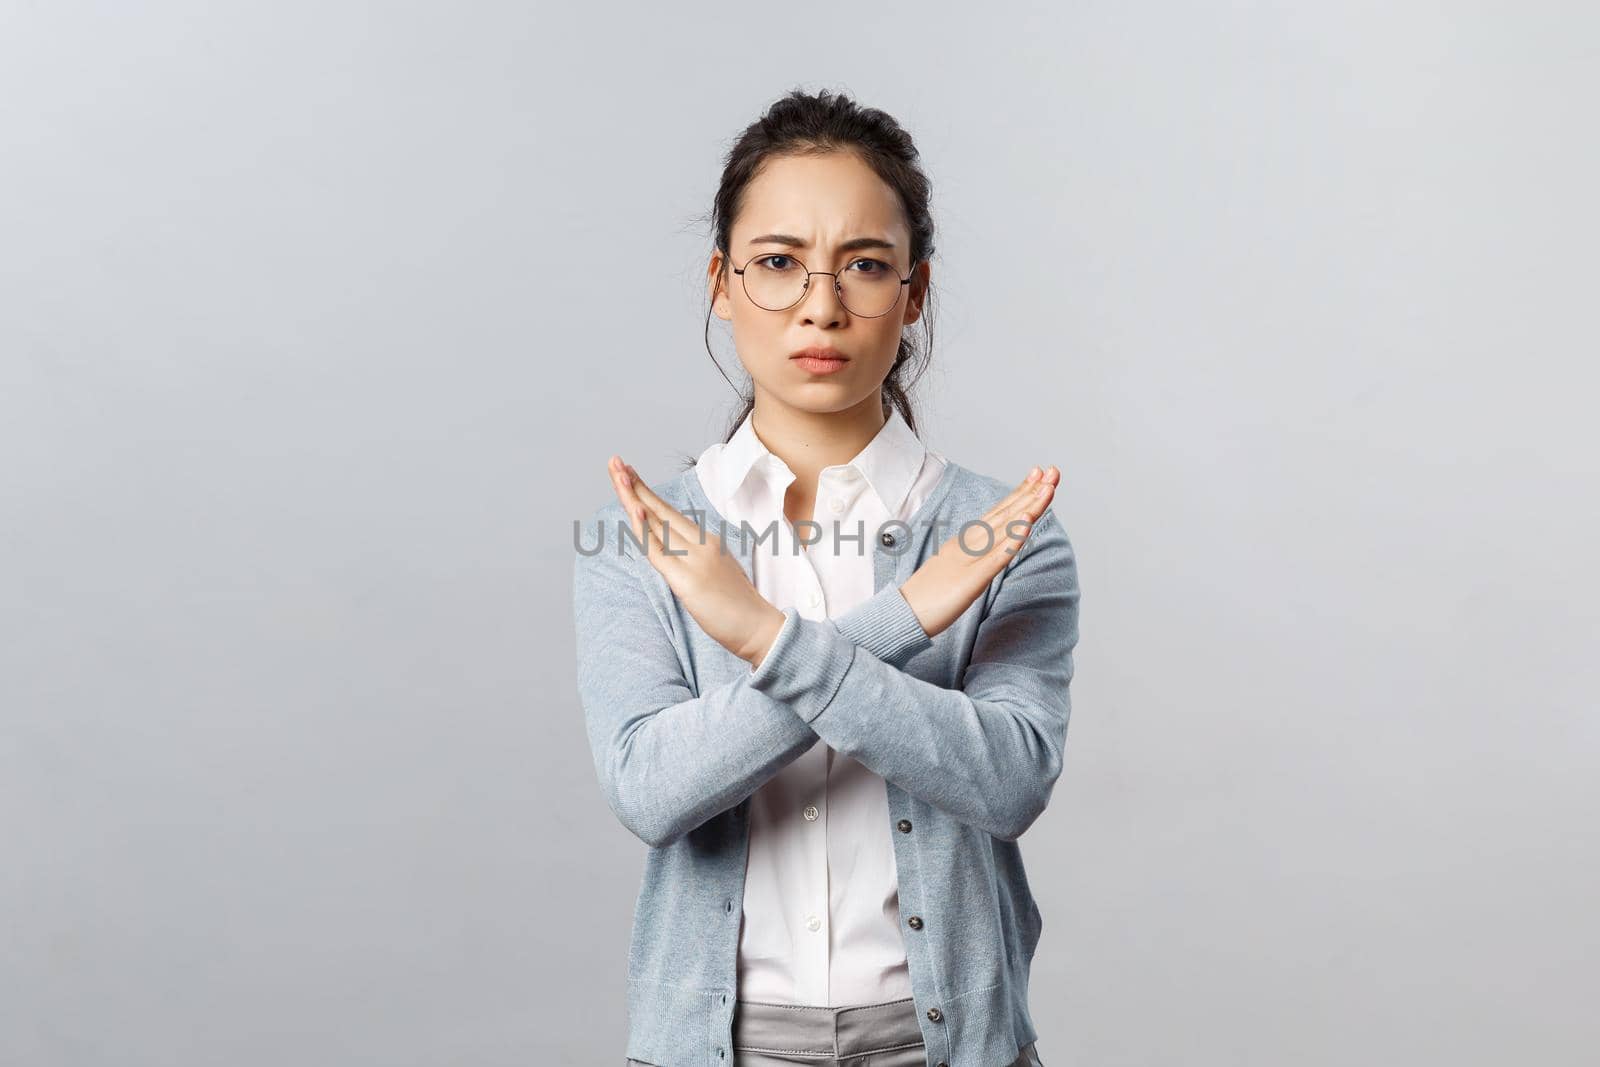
800	1029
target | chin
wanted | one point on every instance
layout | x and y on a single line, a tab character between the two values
822	398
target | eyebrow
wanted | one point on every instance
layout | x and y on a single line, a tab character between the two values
848	246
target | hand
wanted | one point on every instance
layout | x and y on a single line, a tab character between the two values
706	578
952	578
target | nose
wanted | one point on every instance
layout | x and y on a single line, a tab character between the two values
826	308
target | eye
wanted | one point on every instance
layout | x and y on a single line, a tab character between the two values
875	266
788	261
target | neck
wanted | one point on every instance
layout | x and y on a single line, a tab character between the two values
808	441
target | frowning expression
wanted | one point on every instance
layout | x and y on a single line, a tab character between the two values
828	212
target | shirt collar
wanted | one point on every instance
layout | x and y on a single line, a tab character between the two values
890	462
735	460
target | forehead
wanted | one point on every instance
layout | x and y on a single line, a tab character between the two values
821	199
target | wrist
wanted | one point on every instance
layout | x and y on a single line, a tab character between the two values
911	589
764	634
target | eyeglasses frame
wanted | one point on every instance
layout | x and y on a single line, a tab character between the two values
834	274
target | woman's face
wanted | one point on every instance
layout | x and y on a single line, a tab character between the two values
823	203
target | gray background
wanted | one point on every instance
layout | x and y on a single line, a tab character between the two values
309	363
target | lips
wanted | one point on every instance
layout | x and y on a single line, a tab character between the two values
818	352
829	361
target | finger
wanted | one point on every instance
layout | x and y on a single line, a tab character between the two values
682	527
1014	534
646	530
1002	542
638	515
658	507
619	486
1030	487
1004	504
1045	490
623	484
650	530
1029	499
1028	510
1031	512
1033	505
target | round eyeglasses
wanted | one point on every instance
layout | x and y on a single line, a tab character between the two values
777	281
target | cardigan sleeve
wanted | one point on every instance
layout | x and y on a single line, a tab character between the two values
883	625
988	753
667	759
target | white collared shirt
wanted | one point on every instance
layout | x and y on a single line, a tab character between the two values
821	922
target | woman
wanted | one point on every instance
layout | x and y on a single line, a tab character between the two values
828	708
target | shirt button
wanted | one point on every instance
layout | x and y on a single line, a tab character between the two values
835	505
810	813
813	599
904	826
934	1014
915	922
813	923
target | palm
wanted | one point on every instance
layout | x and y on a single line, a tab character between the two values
962	567
706	578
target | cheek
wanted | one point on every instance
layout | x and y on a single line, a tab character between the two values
760	343
877	365
762	331
883	365
886	342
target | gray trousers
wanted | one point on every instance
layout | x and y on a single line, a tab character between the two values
871	1035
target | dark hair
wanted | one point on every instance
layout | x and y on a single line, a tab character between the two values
802	123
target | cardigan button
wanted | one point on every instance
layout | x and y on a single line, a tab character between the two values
915	922
904	826
935	1014
887	538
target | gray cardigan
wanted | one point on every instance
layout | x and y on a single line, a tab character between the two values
967	728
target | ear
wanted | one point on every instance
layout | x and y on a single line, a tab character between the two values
716	287
921	277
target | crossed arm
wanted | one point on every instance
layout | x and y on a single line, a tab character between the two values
988	753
